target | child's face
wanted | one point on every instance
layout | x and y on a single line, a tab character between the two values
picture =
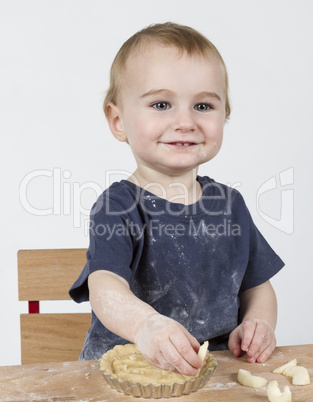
171	109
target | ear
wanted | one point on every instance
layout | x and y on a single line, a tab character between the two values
114	118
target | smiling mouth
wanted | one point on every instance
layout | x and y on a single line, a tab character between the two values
181	144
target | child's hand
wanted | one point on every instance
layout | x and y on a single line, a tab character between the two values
168	345
254	336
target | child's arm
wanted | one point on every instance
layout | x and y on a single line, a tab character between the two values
255	335
163	341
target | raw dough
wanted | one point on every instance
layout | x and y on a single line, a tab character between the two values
126	363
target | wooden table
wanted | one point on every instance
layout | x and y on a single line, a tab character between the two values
82	381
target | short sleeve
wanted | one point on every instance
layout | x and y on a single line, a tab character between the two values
110	246
263	262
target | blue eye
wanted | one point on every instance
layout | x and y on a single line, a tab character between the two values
161	106
202	107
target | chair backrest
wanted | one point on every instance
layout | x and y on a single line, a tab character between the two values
48	275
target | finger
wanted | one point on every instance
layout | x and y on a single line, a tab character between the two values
192	340
234	342
248	330
154	360
172	356
267	346
157	359
265	354
163	364
261	340
185	349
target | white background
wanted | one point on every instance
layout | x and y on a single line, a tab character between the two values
55	58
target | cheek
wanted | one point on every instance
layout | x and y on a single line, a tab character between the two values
214	135
147	127
220	134
215	130
219	137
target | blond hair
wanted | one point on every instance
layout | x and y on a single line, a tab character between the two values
168	34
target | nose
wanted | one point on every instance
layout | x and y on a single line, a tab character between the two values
183	121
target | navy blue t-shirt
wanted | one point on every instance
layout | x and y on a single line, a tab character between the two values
189	262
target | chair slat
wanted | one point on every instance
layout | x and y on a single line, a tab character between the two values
53	337
48	274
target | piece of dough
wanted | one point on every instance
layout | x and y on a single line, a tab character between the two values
280	369
299	375
247	379
274	394
126	363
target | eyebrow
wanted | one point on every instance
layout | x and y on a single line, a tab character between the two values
154	92
210	95
167	92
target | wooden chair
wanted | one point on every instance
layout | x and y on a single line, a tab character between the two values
48	275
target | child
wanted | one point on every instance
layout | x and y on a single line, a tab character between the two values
174	258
